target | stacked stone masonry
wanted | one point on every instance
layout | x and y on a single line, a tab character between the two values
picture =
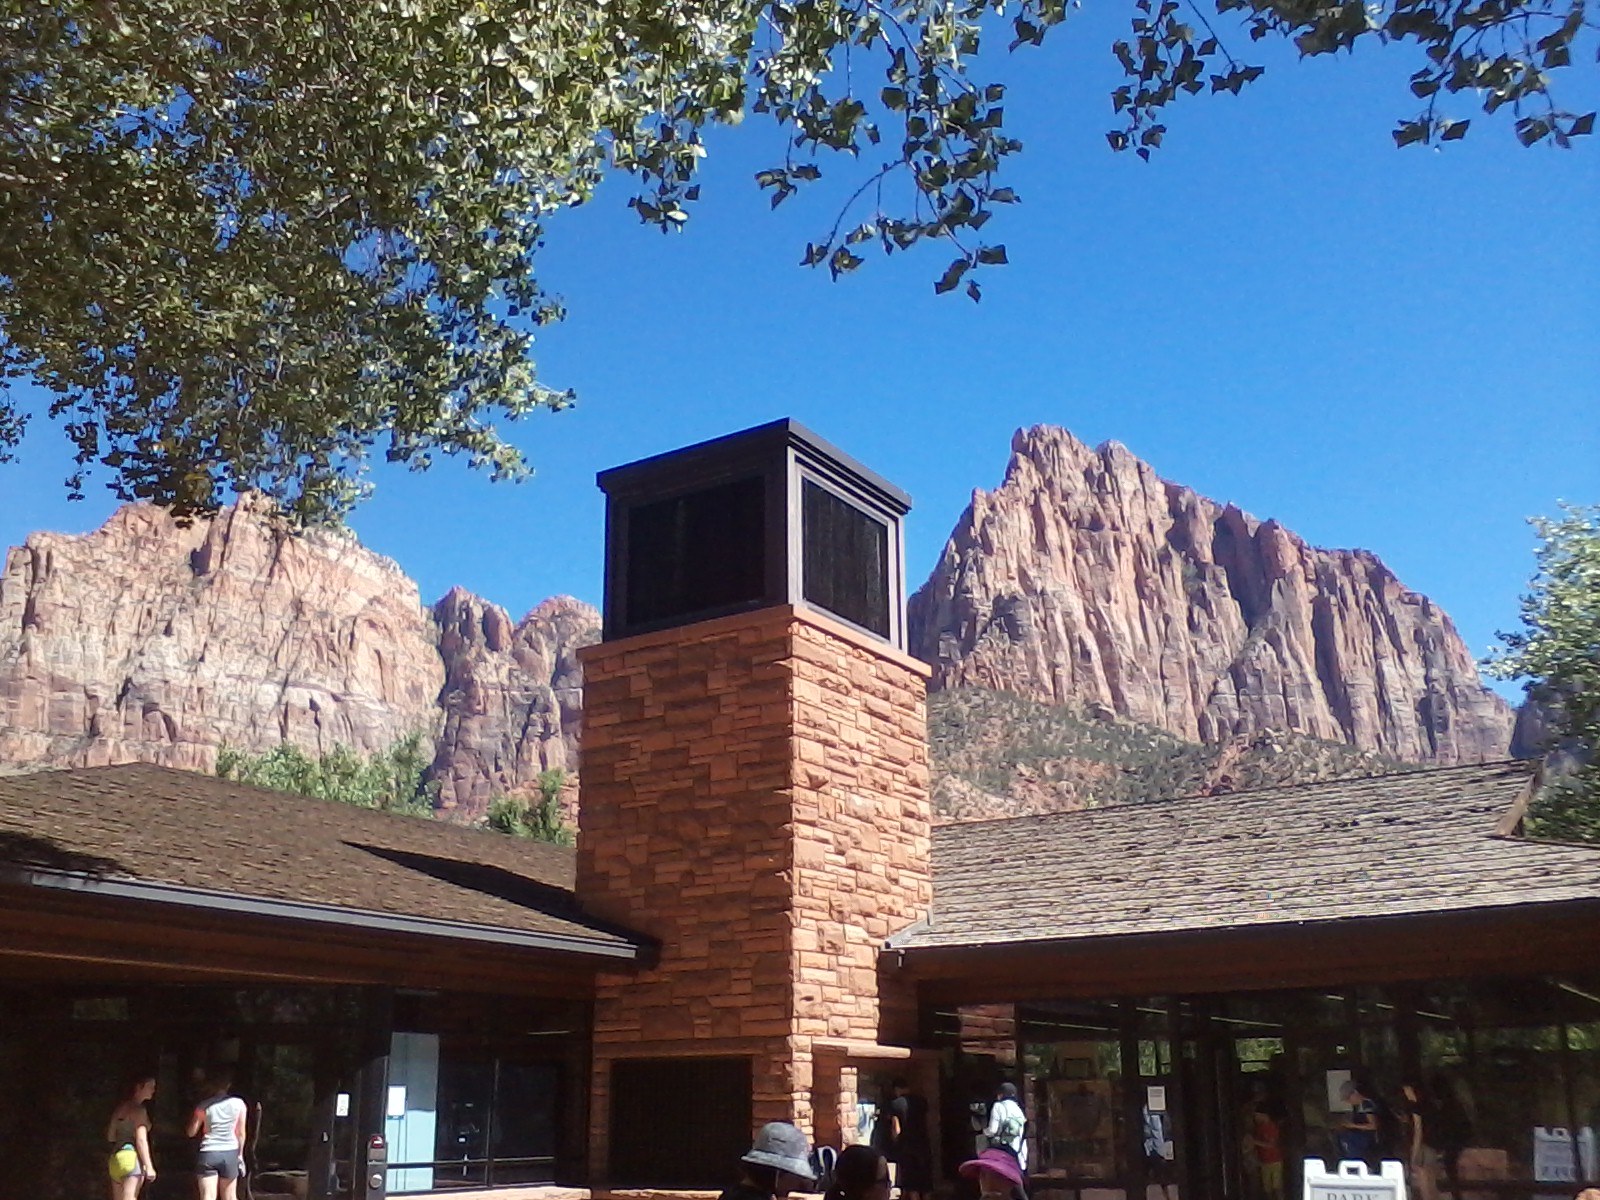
765	778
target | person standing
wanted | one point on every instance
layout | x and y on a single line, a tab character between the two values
1422	1159
128	1136
219	1123
998	1175
978	1115
1008	1124
913	1147
1266	1142
779	1159
861	1173
1358	1136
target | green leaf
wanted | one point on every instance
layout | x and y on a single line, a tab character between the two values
843	262
1531	130
1410	132
951	279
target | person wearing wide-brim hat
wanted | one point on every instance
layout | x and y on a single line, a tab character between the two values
778	1161
998	1174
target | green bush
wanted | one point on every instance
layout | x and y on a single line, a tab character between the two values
539	819
392	780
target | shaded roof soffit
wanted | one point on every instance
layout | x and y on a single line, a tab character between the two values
907	944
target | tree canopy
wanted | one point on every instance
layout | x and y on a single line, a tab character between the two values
1558	652
247	244
393	780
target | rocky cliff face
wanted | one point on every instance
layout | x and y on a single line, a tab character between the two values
1087	580
512	697
147	641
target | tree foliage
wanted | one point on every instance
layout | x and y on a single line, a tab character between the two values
539	819
246	244
1558	652
392	780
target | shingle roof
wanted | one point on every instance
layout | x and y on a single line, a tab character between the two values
160	826
1418	842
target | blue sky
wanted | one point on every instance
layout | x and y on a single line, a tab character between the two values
1389	349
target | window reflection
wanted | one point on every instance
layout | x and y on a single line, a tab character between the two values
1484	1089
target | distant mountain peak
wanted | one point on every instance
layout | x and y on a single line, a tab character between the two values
1087	579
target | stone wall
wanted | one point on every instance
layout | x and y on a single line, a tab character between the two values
755	796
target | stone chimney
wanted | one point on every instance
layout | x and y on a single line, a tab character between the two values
754	795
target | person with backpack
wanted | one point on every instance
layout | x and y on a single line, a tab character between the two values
1008	1124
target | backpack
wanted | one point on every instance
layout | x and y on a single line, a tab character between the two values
1010	1131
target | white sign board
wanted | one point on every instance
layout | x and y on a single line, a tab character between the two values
1354	1181
1553	1159
1338	1091
1155	1098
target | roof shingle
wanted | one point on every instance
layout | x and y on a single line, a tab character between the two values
162	826
1417	842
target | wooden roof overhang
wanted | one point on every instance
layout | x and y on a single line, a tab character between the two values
68	926
1486	941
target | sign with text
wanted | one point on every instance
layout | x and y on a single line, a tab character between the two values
1354	1181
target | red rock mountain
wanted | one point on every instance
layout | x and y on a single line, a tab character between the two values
1085	579
512	696
147	641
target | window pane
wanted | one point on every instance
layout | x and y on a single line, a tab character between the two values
525	1121
846	559
698	553
1079	1105
285	1087
465	1087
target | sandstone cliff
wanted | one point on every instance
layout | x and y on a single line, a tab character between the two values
1087	580
148	641
512	697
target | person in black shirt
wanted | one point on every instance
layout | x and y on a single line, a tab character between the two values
913	1149
860	1174
779	1160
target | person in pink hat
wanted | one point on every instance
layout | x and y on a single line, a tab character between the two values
998	1174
